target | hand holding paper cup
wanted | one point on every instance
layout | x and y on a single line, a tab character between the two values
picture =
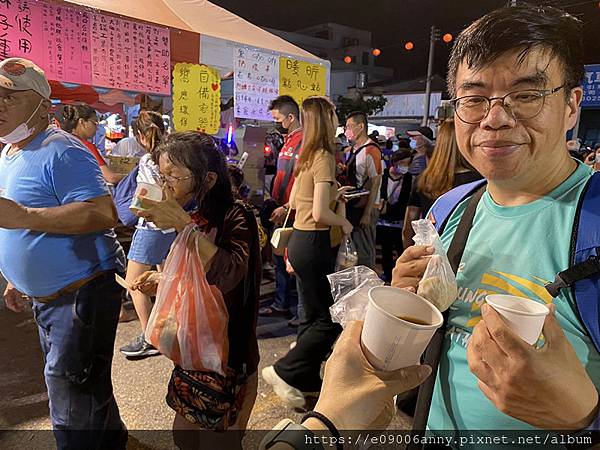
398	327
145	191
524	316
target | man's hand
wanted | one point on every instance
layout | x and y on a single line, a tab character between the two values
355	396
15	301
546	388
12	215
410	267
278	216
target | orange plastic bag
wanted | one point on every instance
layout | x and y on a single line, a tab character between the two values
189	320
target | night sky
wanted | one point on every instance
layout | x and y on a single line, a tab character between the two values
394	22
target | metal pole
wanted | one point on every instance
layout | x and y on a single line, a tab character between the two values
432	40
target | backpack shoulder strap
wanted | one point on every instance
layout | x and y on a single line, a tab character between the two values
443	208
587	249
583	273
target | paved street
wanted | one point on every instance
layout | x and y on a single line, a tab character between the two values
140	386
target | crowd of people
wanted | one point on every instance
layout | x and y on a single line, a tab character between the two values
515	78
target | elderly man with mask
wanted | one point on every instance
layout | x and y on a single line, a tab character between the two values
58	251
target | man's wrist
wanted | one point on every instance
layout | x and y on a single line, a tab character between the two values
590	423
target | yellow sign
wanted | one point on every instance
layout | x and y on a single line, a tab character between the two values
196	98
301	79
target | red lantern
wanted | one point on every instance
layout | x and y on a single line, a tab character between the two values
409	46
447	38
347	59
376	52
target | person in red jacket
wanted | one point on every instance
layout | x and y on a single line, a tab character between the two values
286	114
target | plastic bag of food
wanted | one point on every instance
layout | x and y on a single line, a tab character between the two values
438	284
350	289
347	255
189	320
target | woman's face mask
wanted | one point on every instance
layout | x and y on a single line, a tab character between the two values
413	144
401	169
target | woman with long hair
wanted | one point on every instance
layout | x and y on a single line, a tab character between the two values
149	244
81	121
194	170
447	169
312	254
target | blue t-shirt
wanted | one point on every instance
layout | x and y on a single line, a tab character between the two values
55	169
512	250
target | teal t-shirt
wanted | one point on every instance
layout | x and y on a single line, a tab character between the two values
510	250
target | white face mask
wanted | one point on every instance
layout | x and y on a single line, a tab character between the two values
401	169
22	131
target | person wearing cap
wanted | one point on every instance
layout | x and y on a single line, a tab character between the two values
421	141
57	250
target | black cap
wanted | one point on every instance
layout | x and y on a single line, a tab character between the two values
424	131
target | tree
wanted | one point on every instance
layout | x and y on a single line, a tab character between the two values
370	106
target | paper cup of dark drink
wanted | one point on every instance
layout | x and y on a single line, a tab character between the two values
524	316
398	327
145	191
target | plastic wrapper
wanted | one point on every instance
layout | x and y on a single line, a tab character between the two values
350	288
438	284
347	255
189	320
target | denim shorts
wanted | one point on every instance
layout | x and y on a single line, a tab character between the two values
150	247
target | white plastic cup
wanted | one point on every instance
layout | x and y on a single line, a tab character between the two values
145	191
524	316
389	342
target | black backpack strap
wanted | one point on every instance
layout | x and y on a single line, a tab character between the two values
578	272
434	349
351	164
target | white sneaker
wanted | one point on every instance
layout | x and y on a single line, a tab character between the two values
289	394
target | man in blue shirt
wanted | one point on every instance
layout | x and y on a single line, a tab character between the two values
57	249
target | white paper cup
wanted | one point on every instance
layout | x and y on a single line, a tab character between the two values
524	316
390	343
148	191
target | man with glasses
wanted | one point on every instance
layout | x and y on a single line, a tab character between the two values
515	75
57	250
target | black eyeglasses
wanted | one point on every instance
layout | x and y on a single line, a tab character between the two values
522	105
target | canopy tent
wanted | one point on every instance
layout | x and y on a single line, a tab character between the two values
202	17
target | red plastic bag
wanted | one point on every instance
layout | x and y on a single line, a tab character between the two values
189	320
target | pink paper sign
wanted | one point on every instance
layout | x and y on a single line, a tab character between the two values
74	45
130	55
